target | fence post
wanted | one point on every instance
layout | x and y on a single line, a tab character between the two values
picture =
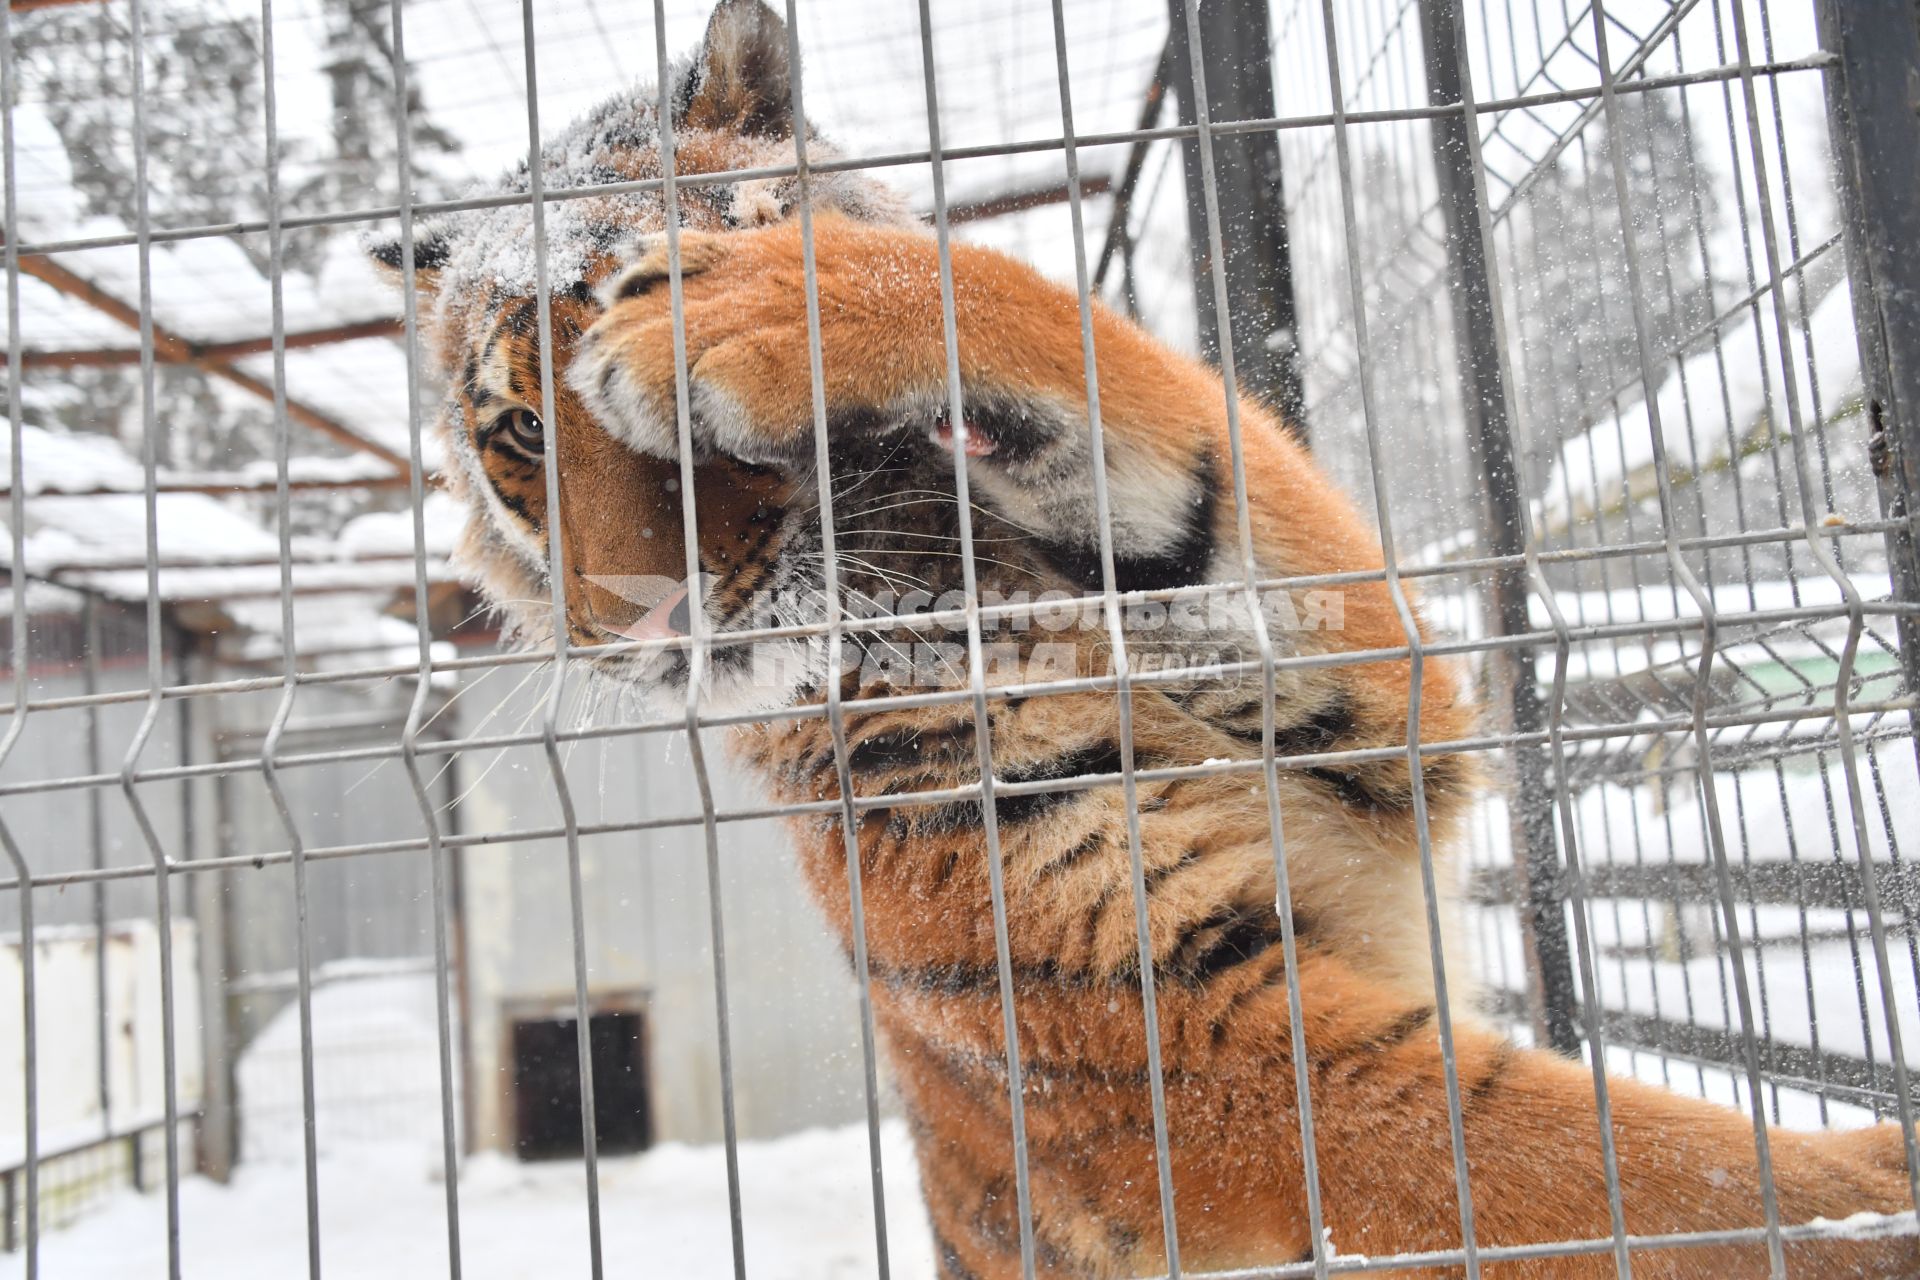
97	848
1259	267
206	810
1553	998
1873	104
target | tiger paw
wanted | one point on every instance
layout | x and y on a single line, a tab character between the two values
748	372
650	263
749	368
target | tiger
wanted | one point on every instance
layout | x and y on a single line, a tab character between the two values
936	675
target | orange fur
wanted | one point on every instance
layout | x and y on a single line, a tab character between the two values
1353	840
1385	1162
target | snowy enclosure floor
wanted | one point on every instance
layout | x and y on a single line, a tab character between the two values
807	1201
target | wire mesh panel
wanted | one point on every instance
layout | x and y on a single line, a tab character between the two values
909	764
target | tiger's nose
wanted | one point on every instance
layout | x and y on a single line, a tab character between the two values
671	617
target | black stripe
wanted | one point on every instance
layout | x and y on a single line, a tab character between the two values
985	1228
1102	758
1095	914
1154	877
1357	791
431	251
1094	761
910	747
519	507
499	443
983	980
1222	1022
635	285
1324	730
1367	1053
740	587
1183	563
1402	1028
951	1268
1503	1057
1241	937
968	1071
1091	843
1328	729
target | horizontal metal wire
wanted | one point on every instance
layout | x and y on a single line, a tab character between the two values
898	159
1344	1264
948	795
996	613
942	697
1844	718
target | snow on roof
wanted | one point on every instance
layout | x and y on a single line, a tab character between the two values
863	80
360	384
1702	427
65	535
42	175
390	533
348	623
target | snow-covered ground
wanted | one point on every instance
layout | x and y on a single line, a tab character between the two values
806	1199
807	1208
1827	996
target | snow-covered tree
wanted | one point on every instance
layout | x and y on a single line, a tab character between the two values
362	165
1576	312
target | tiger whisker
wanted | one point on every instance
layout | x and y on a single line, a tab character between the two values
978	559
509	696
498	756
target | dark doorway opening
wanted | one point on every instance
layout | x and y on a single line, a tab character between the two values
546	1085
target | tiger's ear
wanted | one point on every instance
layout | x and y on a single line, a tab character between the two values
432	248
742	79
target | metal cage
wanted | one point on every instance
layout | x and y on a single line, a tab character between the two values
1605	311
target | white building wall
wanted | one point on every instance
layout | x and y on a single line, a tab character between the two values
67	1034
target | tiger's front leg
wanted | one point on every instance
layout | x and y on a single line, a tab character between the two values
1025	427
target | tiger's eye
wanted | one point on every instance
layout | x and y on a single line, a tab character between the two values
523	428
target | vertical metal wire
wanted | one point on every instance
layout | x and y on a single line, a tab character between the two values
271	759
1822	553
700	652
1592	1008
1699	220
97	849
423	677
556	697
1122	668
1844	662
17	724
982	723
1416	645
1703	601
836	633
1485	410
1283	897
270	747
156	635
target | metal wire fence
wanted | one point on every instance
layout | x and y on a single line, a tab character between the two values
1603	310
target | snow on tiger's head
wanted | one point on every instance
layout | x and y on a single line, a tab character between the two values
477	273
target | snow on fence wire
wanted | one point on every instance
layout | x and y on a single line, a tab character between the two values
1606	309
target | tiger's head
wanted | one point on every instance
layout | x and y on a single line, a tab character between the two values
620	520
